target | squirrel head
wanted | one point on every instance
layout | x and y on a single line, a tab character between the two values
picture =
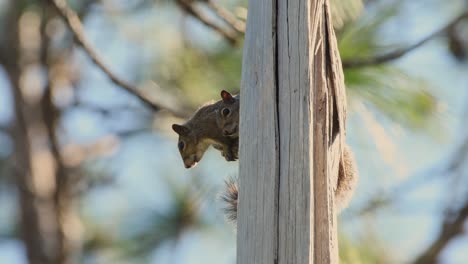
190	149
227	115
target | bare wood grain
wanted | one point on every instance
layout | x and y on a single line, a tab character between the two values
295	102
258	182
292	103
325	246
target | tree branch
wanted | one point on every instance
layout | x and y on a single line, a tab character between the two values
452	227
398	53
187	6
226	16
76	27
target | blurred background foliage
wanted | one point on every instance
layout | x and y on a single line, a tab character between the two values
90	174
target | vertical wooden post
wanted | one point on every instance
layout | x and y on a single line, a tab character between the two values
257	240
291	132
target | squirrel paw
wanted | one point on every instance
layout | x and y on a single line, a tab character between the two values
229	157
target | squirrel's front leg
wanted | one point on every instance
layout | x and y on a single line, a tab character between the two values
230	149
219	147
235	148
224	149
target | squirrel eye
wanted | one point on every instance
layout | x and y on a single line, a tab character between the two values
225	112
181	145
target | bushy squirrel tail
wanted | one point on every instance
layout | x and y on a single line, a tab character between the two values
230	197
347	181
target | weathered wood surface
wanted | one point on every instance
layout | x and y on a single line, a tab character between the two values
257	240
292	102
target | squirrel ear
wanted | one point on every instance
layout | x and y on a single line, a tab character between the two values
226	96
179	129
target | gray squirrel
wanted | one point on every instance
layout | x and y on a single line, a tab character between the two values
200	132
227	118
217	124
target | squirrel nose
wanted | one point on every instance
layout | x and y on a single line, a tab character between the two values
189	165
225	132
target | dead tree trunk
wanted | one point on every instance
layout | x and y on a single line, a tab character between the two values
292	131
44	198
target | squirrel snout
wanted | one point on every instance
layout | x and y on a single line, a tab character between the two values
229	131
190	163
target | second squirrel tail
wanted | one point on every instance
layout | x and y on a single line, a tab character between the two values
347	180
